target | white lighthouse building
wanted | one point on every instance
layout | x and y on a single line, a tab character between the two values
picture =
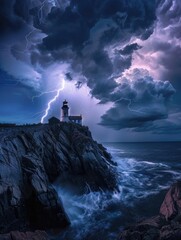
65	112
65	117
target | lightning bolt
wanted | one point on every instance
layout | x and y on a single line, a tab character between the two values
28	35
33	30
40	10
52	101
129	105
40	15
27	39
37	115
43	93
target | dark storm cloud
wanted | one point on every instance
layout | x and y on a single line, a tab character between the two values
93	37
145	105
167	43
171	125
123	58
138	103
129	49
68	76
82	33
64	28
100	68
121	116
169	13
171	61
97	39
14	15
72	26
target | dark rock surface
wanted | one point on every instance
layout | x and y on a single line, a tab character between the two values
32	158
165	226
16	235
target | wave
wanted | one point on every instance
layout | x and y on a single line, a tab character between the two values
139	179
96	214
90	214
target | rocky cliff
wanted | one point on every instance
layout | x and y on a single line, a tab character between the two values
32	158
165	226
16	235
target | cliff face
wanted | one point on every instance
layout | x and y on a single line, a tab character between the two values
32	158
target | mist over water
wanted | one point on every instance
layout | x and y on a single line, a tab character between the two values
146	170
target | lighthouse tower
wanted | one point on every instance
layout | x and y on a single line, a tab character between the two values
65	112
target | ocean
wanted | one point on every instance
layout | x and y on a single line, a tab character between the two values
146	170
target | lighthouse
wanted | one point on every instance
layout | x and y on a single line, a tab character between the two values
65	117
65	112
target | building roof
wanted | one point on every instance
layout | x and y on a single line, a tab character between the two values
53	119
75	117
65	102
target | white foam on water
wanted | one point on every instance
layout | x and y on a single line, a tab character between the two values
84	210
137	180
80	207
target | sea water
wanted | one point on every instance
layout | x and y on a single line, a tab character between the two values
146	170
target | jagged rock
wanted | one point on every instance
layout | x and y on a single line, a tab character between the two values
16	235
171	205
32	158
165	226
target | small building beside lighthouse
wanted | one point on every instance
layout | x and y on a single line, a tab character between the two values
65	117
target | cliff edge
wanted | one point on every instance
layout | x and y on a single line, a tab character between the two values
32	158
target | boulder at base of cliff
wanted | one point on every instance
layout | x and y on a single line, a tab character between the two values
165	226
171	206
16	235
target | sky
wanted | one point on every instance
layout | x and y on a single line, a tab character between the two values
116	62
